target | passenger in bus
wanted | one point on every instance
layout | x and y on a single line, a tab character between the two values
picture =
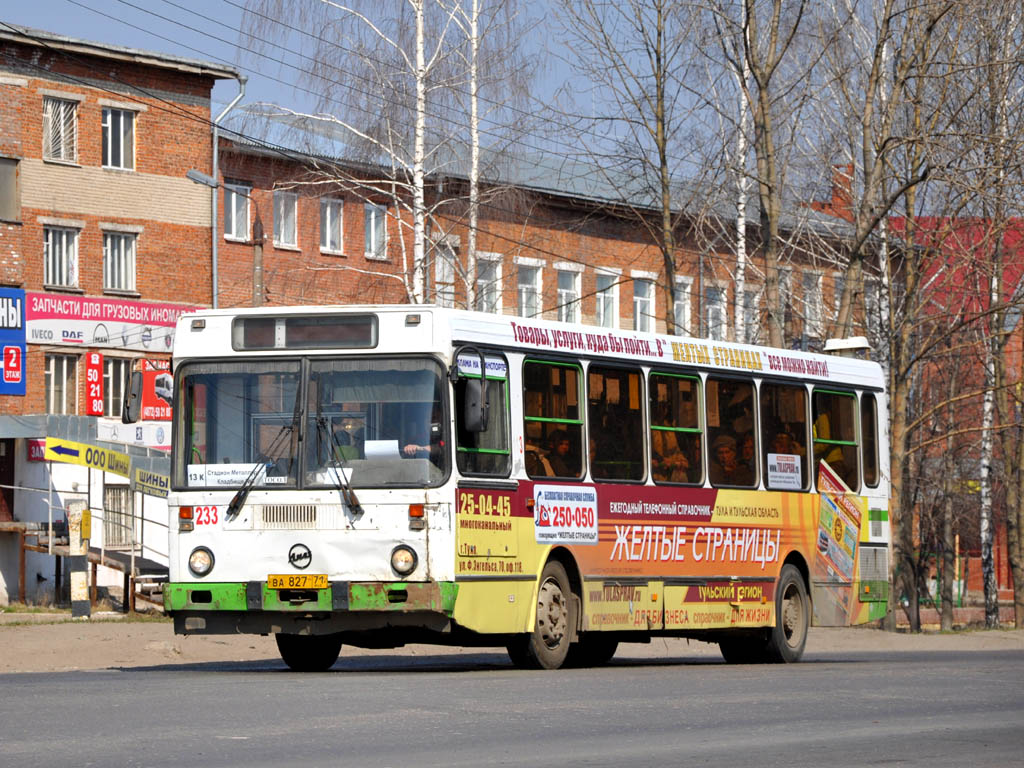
748	456
669	464
558	458
784	442
726	468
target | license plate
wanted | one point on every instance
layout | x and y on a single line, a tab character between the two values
297	581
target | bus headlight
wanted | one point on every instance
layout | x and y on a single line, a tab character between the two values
403	560
200	562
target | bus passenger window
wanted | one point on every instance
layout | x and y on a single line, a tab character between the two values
784	436
552	420
487	452
729	406
835	434
675	429
615	424
869	438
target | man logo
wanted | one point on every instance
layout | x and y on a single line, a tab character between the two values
300	556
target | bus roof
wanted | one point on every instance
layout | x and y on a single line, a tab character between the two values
403	329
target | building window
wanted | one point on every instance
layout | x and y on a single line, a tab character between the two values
285	204
375	231
60	252
118	138
444	275
529	291
643	305
60	136
488	284
568	296
714	313
838	284
10	197
114	371
118	262
681	308
330	225
813	326
61	389
236	211
606	311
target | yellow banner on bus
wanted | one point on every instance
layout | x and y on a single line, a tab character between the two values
93	456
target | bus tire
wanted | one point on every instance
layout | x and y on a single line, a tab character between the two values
548	645
787	638
594	649
309	653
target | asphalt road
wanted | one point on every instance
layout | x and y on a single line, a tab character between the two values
934	708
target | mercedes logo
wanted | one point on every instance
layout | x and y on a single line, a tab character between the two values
300	556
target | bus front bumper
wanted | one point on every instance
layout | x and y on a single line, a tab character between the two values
252	607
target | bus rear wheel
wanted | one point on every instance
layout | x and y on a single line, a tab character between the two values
792	618
548	645
309	653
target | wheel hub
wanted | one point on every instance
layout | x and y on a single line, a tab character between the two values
552	614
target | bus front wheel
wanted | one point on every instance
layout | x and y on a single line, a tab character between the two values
787	638
309	653
548	645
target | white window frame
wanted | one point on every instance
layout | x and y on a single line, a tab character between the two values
60	256
607	298
114	370
286	218
644	301
119	259
528	267
62	368
444	274
60	129
332	232
488	289
124	147
568	295
716	315
375	231
236	211
682	310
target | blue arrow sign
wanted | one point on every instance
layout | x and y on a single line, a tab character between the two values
61	449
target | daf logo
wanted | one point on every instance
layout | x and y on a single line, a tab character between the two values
300	556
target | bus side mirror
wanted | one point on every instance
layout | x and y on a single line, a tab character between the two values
132	406
474	412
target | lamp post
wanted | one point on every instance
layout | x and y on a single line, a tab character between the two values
257	234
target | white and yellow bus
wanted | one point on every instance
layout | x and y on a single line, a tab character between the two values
382	475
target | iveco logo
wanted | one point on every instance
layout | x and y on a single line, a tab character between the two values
300	556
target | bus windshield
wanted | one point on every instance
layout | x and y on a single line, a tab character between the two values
370	422
378	421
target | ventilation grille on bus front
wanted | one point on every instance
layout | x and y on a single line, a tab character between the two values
874	574
288	516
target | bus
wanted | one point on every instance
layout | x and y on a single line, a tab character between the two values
384	475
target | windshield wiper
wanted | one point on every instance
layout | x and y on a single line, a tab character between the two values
238	500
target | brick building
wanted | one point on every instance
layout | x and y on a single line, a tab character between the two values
103	243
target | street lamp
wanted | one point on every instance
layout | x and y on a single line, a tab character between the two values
257	236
